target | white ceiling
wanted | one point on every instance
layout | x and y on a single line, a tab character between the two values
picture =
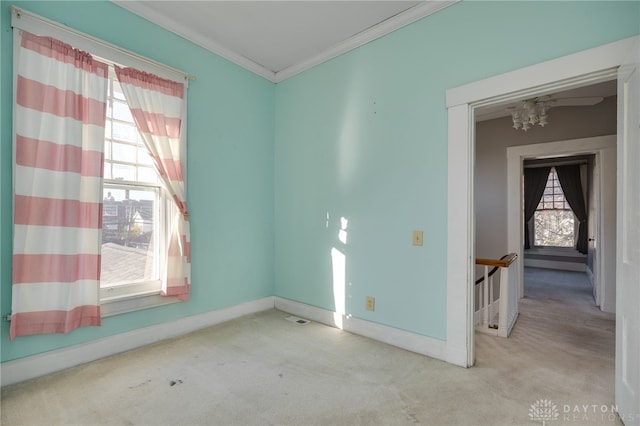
581	96
278	39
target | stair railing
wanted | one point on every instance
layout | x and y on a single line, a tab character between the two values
487	320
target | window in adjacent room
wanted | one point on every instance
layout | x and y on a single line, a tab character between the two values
554	222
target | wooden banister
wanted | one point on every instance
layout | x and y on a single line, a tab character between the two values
486	319
500	263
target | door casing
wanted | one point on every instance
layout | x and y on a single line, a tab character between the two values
604	148
579	69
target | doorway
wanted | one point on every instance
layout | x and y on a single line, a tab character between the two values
557	308
588	67
604	149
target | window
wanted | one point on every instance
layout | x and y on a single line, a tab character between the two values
134	206
110	213
554	224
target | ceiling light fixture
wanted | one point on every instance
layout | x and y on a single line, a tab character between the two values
529	113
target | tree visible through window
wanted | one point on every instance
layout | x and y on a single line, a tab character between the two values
554	223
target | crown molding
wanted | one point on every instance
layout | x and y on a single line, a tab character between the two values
383	28
387	26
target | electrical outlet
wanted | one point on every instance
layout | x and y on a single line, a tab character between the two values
370	303
417	238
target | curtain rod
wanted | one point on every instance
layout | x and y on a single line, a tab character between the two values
19	13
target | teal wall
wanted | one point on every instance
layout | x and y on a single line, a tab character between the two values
230	171
274	168
364	136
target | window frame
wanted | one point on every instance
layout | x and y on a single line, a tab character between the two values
134	295
135	288
553	177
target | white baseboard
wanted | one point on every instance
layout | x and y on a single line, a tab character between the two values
34	366
307	311
413	342
552	264
38	365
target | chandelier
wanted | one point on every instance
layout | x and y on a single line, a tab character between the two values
529	113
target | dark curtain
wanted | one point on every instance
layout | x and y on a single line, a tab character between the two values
535	180
569	178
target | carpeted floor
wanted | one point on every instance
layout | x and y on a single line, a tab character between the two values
562	348
263	370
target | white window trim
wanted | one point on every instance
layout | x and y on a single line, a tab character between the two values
134	302
112	55
114	302
137	295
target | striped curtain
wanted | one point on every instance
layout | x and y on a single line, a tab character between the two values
59	116
158	108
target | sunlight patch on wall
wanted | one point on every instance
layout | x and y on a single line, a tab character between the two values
339	266
339	263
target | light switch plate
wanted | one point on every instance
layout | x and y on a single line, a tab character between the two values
370	303
417	238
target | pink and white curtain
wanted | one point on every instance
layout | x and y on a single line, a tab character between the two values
59	140
158	108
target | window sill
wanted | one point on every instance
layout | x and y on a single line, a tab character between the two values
122	305
555	251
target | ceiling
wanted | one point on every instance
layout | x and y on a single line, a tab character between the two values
278	39
581	96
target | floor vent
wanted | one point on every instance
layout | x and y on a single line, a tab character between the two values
297	320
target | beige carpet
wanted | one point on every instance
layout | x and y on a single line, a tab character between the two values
262	370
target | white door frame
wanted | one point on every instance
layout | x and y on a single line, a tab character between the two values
604	147
579	69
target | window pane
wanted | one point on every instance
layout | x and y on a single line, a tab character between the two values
125	132
127	236
147	174
130	212
124	152
554	228
142	194
144	157
117	90
121	112
107	150
558	201
124	172
113	193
